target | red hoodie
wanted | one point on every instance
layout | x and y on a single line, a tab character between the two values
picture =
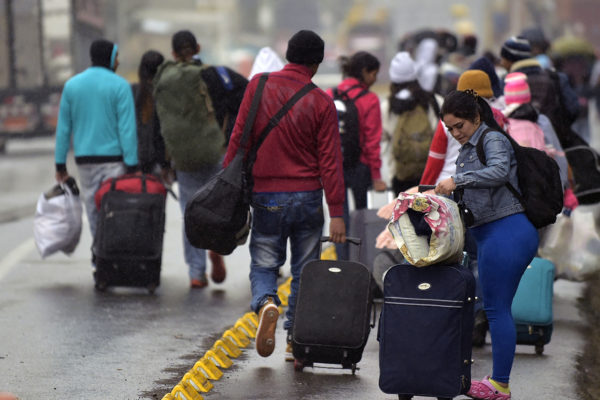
303	152
369	118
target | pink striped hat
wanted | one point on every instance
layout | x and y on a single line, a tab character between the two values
516	89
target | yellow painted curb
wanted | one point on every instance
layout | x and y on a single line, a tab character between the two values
236	338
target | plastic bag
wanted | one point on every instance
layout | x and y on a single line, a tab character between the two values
57	220
445	243
573	243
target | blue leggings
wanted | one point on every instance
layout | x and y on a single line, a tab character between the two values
505	247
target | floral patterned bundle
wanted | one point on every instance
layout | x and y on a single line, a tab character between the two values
444	246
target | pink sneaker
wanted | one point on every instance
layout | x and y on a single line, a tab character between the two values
484	390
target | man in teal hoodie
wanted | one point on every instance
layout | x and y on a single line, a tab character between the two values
97	114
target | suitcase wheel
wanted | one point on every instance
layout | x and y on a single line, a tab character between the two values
351	366
100	286
300	364
539	349
151	287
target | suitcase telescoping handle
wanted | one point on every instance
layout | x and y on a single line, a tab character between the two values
349	239
424	188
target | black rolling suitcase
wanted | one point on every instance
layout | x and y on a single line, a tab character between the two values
129	239
333	313
425	330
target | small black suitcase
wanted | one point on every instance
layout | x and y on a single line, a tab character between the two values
129	239
425	330
333	313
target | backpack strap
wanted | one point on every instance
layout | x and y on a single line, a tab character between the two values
481	156
225	78
337	92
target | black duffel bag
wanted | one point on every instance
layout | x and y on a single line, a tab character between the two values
218	217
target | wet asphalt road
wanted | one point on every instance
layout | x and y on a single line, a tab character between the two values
60	339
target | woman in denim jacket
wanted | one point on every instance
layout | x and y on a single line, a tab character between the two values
506	239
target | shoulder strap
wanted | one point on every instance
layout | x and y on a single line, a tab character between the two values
225	78
345	92
282	111
253	109
481	156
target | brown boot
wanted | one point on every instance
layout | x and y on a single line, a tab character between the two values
218	267
267	322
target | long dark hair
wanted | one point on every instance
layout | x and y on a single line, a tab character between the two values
353	66
469	105
419	97
144	102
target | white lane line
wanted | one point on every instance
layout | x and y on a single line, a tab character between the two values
16	256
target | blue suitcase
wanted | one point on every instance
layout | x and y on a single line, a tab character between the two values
532	304
425	330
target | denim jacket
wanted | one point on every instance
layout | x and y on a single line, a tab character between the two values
485	191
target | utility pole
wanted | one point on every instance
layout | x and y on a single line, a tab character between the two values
41	36
12	62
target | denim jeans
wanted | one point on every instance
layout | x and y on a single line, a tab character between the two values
189	183
277	217
90	178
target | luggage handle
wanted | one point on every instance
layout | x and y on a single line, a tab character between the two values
424	188
371	197
349	239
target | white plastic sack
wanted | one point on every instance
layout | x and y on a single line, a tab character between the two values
573	243
446	242
57	221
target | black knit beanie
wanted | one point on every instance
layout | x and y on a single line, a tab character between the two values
516	48
101	53
306	48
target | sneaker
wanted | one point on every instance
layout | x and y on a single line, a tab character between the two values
199	283
480	329
484	390
265	333
289	352
218	267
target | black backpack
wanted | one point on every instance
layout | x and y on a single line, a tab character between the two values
348	124
539	180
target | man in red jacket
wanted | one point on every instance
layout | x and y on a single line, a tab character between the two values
299	158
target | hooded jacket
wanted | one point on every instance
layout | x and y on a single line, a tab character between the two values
97	113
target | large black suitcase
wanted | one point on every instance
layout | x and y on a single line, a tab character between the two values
333	313
425	330
129	239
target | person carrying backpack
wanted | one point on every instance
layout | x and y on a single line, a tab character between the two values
359	118
195	108
410	123
506	239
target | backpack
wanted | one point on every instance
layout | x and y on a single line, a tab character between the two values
526	133
539	180
411	140
189	127
349	124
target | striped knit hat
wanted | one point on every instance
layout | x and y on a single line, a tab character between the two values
516	48
516	88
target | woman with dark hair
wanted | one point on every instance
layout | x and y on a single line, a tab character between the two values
151	147
363	170
506	240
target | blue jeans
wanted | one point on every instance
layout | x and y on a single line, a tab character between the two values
90	178
277	217
189	183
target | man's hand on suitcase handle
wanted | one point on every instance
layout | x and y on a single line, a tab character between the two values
379	185
337	230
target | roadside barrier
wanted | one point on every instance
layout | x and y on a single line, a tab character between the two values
198	380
